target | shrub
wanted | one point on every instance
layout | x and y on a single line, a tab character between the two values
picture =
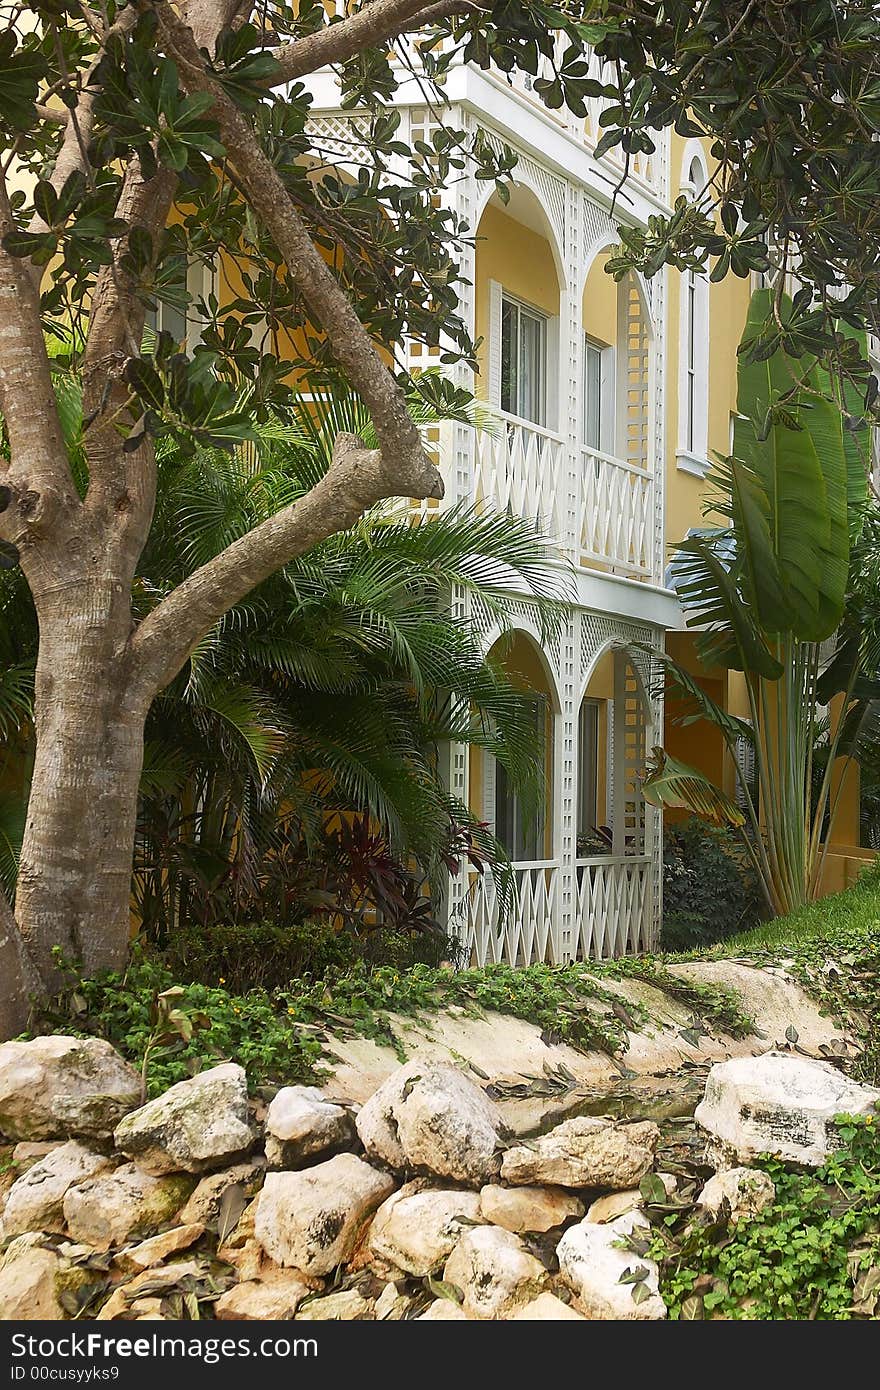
710	891
814	1253
263	955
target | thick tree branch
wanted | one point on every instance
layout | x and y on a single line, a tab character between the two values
356	480
372	25
407	469
38	471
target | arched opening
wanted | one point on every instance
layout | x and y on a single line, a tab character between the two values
616	478
614	910
520	462
517	920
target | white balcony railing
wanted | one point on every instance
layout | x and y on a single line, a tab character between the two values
521	930
615	514
520	468
614	910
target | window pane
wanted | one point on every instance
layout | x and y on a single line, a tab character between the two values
521	835
509	356
531	361
592	396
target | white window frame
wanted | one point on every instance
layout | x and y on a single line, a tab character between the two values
498	294
606	401
693	395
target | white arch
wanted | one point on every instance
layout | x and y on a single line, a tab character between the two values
612	644
553	234
529	629
604	243
693	150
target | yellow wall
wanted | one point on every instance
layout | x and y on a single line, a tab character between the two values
521	261
600	303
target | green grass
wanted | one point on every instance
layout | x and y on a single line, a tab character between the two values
856	908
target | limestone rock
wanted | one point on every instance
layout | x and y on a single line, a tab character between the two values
521	1209
494	1271
113	1208
204	1204
348	1305
124	1301
33	1280
431	1118
591	1262
392	1305
416	1231
585	1152
26	1154
780	1104
313	1219
194	1126
54	1087
263	1300
614	1204
547	1308
301	1123
443	1310
35	1202
153	1251
745	1191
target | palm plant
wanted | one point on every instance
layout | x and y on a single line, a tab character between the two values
766	592
328	694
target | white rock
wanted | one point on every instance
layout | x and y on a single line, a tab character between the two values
431	1118
26	1154
204	1204
521	1209
348	1305
313	1219
301	1123
157	1249
416	1231
443	1310
392	1305
780	1104
272	1299
616	1203
745	1191
196	1125
124	1301
591	1262
112	1208
547	1308
53	1087
494	1271
35	1202
585	1152
33	1280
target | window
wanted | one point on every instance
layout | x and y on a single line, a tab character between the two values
598	423
694	395
588	768
523	361
521	834
171	317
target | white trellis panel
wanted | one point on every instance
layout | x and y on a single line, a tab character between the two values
521	930
613	893
615	513
519	468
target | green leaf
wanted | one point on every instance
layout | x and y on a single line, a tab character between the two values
674	783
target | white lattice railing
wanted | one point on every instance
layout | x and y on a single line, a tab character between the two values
520	930
615	513
614	908
520	468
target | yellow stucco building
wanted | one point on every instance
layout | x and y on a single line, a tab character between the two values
608	402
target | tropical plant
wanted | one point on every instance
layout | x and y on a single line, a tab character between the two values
291	771
764	593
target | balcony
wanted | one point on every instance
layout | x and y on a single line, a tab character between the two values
523	468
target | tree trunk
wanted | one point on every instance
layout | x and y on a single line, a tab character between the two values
75	873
